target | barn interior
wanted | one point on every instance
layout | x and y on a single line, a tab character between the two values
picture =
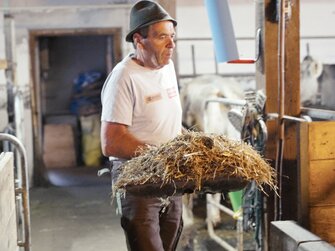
54	59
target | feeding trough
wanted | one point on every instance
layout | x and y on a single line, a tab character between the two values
194	162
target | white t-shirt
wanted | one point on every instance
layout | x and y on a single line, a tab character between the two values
145	100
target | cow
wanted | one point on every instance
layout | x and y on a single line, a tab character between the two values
317	88
199	114
310	70
317	84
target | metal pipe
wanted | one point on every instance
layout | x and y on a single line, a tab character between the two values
221	207
318	113
226	101
216	65
217	239
193	60
286	117
246	38
239	229
181	39
26	243
250	60
221	74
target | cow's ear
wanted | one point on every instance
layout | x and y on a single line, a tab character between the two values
316	68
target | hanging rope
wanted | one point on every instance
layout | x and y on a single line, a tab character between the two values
281	107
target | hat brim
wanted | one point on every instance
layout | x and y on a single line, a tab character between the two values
129	37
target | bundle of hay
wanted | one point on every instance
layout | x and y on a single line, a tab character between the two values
195	158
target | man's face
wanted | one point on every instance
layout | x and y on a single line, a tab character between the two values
159	44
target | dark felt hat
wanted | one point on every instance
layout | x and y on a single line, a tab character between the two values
144	13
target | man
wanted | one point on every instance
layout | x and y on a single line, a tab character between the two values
141	106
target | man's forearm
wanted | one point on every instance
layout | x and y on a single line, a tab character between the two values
125	146
118	142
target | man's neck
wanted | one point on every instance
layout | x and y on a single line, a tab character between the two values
141	62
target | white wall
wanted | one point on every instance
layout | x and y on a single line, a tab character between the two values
193	23
316	20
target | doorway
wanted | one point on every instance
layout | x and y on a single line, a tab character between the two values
68	70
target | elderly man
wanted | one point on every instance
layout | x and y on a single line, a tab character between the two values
141	106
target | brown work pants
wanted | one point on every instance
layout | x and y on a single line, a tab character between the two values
150	223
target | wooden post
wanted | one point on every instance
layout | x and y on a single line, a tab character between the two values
267	78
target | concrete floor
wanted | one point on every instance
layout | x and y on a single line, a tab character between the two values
75	214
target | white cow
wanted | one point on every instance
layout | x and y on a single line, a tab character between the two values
195	92
310	71
317	84
212	118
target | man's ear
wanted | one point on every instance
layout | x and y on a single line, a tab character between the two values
138	40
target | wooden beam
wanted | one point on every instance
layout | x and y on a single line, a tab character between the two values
267	75
267	67
291	95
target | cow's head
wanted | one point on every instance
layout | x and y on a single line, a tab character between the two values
310	68
310	71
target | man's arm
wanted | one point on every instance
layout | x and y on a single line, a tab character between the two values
117	141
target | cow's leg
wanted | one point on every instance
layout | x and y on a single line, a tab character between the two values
213	213
188	209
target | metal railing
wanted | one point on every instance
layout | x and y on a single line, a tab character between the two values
239	227
21	193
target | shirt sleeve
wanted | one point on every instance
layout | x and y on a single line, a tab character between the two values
117	98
